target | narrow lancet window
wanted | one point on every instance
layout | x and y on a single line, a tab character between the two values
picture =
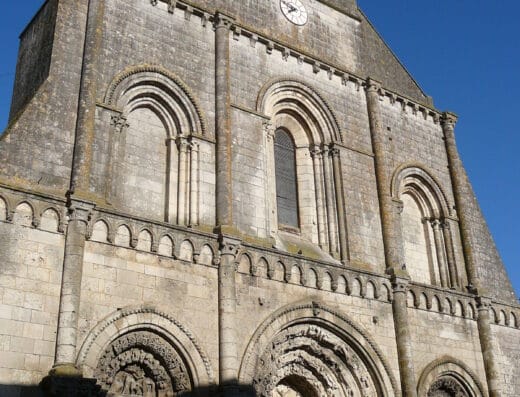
286	184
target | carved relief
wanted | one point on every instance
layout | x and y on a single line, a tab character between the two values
447	387
308	360
142	364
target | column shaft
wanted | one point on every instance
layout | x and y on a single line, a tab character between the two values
172	181
487	346
460	190
82	159
329	197
450	255
181	199
439	249
403	339
71	288
340	205
223	121
194	184
390	222
320	201
117	142
228	351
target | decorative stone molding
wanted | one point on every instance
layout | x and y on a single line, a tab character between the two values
309	326
451	376
154	321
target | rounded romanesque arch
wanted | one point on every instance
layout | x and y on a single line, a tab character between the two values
448	377
311	350
142	351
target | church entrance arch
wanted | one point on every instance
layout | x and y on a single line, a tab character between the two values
308	350
142	363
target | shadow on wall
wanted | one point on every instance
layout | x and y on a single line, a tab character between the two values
75	389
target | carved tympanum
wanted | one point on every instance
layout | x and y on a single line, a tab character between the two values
447	386
142	363
308	360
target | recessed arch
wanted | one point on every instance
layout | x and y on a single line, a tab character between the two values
309	326
162	85
158	324
448	372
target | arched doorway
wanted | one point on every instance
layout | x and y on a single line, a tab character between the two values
308	350
142	363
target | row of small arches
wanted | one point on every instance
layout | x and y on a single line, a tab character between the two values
311	277
505	317
143	239
25	213
441	304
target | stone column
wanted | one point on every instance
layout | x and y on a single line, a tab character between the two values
224	192
487	346
272	220
392	238
340	204
194	184
228	340
320	201
64	362
390	222
182	144
82	160
460	190
450	254
329	197
439	249
402	336
172	180
117	141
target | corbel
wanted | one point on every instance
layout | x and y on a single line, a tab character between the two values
316	67
171	6
188	11
285	54
269	46
253	39
237	31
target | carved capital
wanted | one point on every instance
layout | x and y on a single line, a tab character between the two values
119	122
483	303
269	130
182	143
373	86
448	121
398	205
80	211
229	246
222	21
435	224
334	152
315	151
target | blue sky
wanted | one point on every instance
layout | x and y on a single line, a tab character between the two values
464	53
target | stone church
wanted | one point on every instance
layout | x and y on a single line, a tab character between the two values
239	198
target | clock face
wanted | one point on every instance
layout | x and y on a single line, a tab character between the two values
294	11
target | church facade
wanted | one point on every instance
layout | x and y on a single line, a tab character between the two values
239	198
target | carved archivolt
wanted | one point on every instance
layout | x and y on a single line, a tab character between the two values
449	377
309	350
138	341
142	363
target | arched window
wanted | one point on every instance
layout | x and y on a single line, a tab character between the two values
426	232
286	182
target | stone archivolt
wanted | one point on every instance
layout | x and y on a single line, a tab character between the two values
142	363
312	361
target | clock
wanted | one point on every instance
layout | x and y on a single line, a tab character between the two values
294	11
